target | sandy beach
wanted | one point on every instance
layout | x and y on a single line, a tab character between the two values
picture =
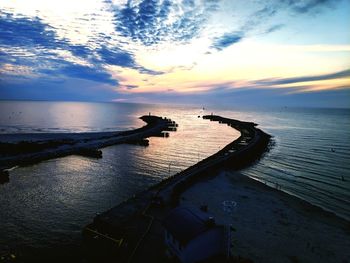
270	225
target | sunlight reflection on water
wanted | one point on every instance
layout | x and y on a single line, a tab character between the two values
47	204
63	195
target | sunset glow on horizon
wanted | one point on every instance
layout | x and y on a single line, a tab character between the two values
161	50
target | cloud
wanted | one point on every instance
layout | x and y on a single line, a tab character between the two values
131	86
48	55
26	32
79	50
253	21
30	42
274	28
56	72
84	72
272	7
50	89
257	23
226	40
281	81
249	98
34	34
154	21
4	57
306	6
116	56
294	85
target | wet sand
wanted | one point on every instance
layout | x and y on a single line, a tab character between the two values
270	225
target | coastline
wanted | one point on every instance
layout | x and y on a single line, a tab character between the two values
132	231
146	215
271	225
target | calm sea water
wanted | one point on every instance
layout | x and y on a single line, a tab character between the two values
44	206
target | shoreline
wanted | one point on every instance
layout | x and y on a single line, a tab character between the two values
271	225
209	188
109	234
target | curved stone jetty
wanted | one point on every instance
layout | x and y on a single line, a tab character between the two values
118	233
24	149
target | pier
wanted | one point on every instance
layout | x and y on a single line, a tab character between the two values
26	149
132	231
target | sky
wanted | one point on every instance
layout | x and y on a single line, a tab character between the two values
234	52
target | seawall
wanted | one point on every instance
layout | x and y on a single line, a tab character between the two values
118	232
25	149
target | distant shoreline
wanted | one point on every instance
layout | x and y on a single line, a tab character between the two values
194	104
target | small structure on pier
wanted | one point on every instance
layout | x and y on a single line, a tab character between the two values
192	235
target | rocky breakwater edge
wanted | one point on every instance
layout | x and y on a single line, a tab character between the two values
21	149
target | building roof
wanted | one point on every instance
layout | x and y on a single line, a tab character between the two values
186	223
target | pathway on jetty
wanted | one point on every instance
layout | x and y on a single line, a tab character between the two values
132	231
24	149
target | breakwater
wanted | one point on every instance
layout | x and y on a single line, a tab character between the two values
120	231
26	149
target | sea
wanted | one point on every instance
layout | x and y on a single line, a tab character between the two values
44	207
